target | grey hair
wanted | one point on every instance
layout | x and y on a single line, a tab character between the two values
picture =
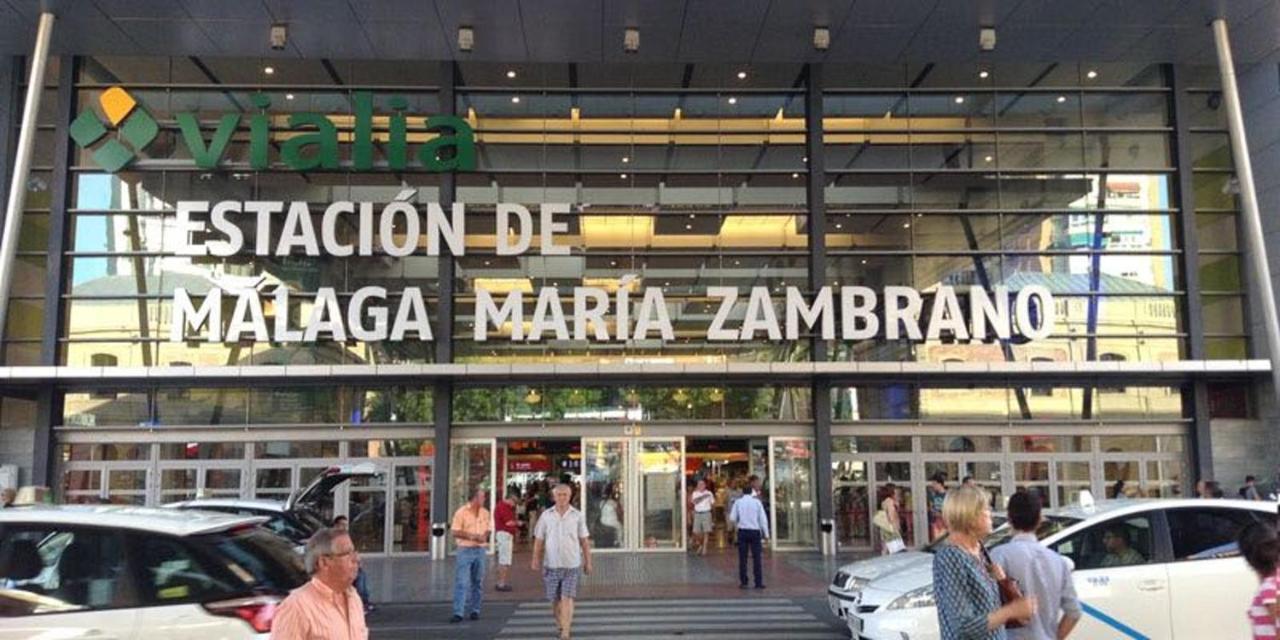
564	486
321	544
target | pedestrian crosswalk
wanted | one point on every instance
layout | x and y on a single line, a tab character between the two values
688	619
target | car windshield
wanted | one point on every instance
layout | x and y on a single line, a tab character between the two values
1005	532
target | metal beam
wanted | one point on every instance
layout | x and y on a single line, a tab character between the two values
443	392
22	162
59	203
1261	272
1196	395
820	390
9	72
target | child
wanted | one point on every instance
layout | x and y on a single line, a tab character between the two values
1260	546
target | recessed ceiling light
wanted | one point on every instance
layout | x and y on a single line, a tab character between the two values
906	225
288	96
623	176
511	73
805	159
515	99
268	70
794	176
1092	74
959	99
692	216
737	263
1062	99
626	159
733	101
839	226
742	75
989	158
984	74
666	284
864	262
688	227
486	263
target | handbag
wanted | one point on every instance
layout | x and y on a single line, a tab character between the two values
881	521
895	545
1008	588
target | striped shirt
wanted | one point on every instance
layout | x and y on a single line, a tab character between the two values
1264	624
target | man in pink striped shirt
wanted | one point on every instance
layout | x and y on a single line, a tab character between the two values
327	607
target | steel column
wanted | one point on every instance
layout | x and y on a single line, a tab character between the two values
1261	271
22	162
1196	395
443	400
820	390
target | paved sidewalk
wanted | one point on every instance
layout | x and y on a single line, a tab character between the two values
791	574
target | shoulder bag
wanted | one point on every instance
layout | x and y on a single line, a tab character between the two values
1008	587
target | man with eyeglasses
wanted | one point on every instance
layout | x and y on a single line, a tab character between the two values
327	607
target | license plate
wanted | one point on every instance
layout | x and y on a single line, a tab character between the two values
836	610
855	624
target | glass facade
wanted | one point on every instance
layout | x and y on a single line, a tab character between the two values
679	177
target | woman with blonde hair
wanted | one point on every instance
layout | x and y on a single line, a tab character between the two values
964	578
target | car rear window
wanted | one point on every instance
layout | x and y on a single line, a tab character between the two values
263	560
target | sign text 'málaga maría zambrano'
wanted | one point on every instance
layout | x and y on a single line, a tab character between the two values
625	312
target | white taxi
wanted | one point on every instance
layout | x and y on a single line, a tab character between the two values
1162	566
124	573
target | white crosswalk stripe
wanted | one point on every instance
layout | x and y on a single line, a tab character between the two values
663	619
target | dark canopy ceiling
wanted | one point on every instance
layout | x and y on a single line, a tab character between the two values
737	31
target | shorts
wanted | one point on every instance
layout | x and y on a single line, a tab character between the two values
561	583
701	522
504	540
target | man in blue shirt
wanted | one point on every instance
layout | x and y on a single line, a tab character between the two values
753	528
1040	572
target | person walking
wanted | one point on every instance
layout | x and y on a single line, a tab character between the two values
562	552
327	607
1040	573
735	493
1260	547
935	494
888	522
506	524
362	581
702	501
472	526
753	529
965	581
1250	489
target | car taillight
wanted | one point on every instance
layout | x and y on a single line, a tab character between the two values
258	611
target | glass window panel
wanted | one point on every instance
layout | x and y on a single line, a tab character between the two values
1220	272
854	151
1217	231
202	451
954	232
25	321
1215	191
1041	150
1204	108
847	112
961	444
391	448
867	231
1210	151
1126	109
951	110
940	151
1128	150
124	190
891	402
955	191
1038	109
871	444
964	404
1224	315
295	449
294	406
105	408
1226	348
1050	444
202	406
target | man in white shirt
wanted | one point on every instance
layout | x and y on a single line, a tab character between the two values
562	537
702	501
753	529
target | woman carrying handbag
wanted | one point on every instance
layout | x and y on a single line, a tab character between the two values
966	584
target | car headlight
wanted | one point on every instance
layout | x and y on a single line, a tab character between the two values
914	599
856	584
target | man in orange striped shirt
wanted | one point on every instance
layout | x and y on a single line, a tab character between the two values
327	607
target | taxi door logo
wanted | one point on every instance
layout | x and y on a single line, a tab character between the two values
134	129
